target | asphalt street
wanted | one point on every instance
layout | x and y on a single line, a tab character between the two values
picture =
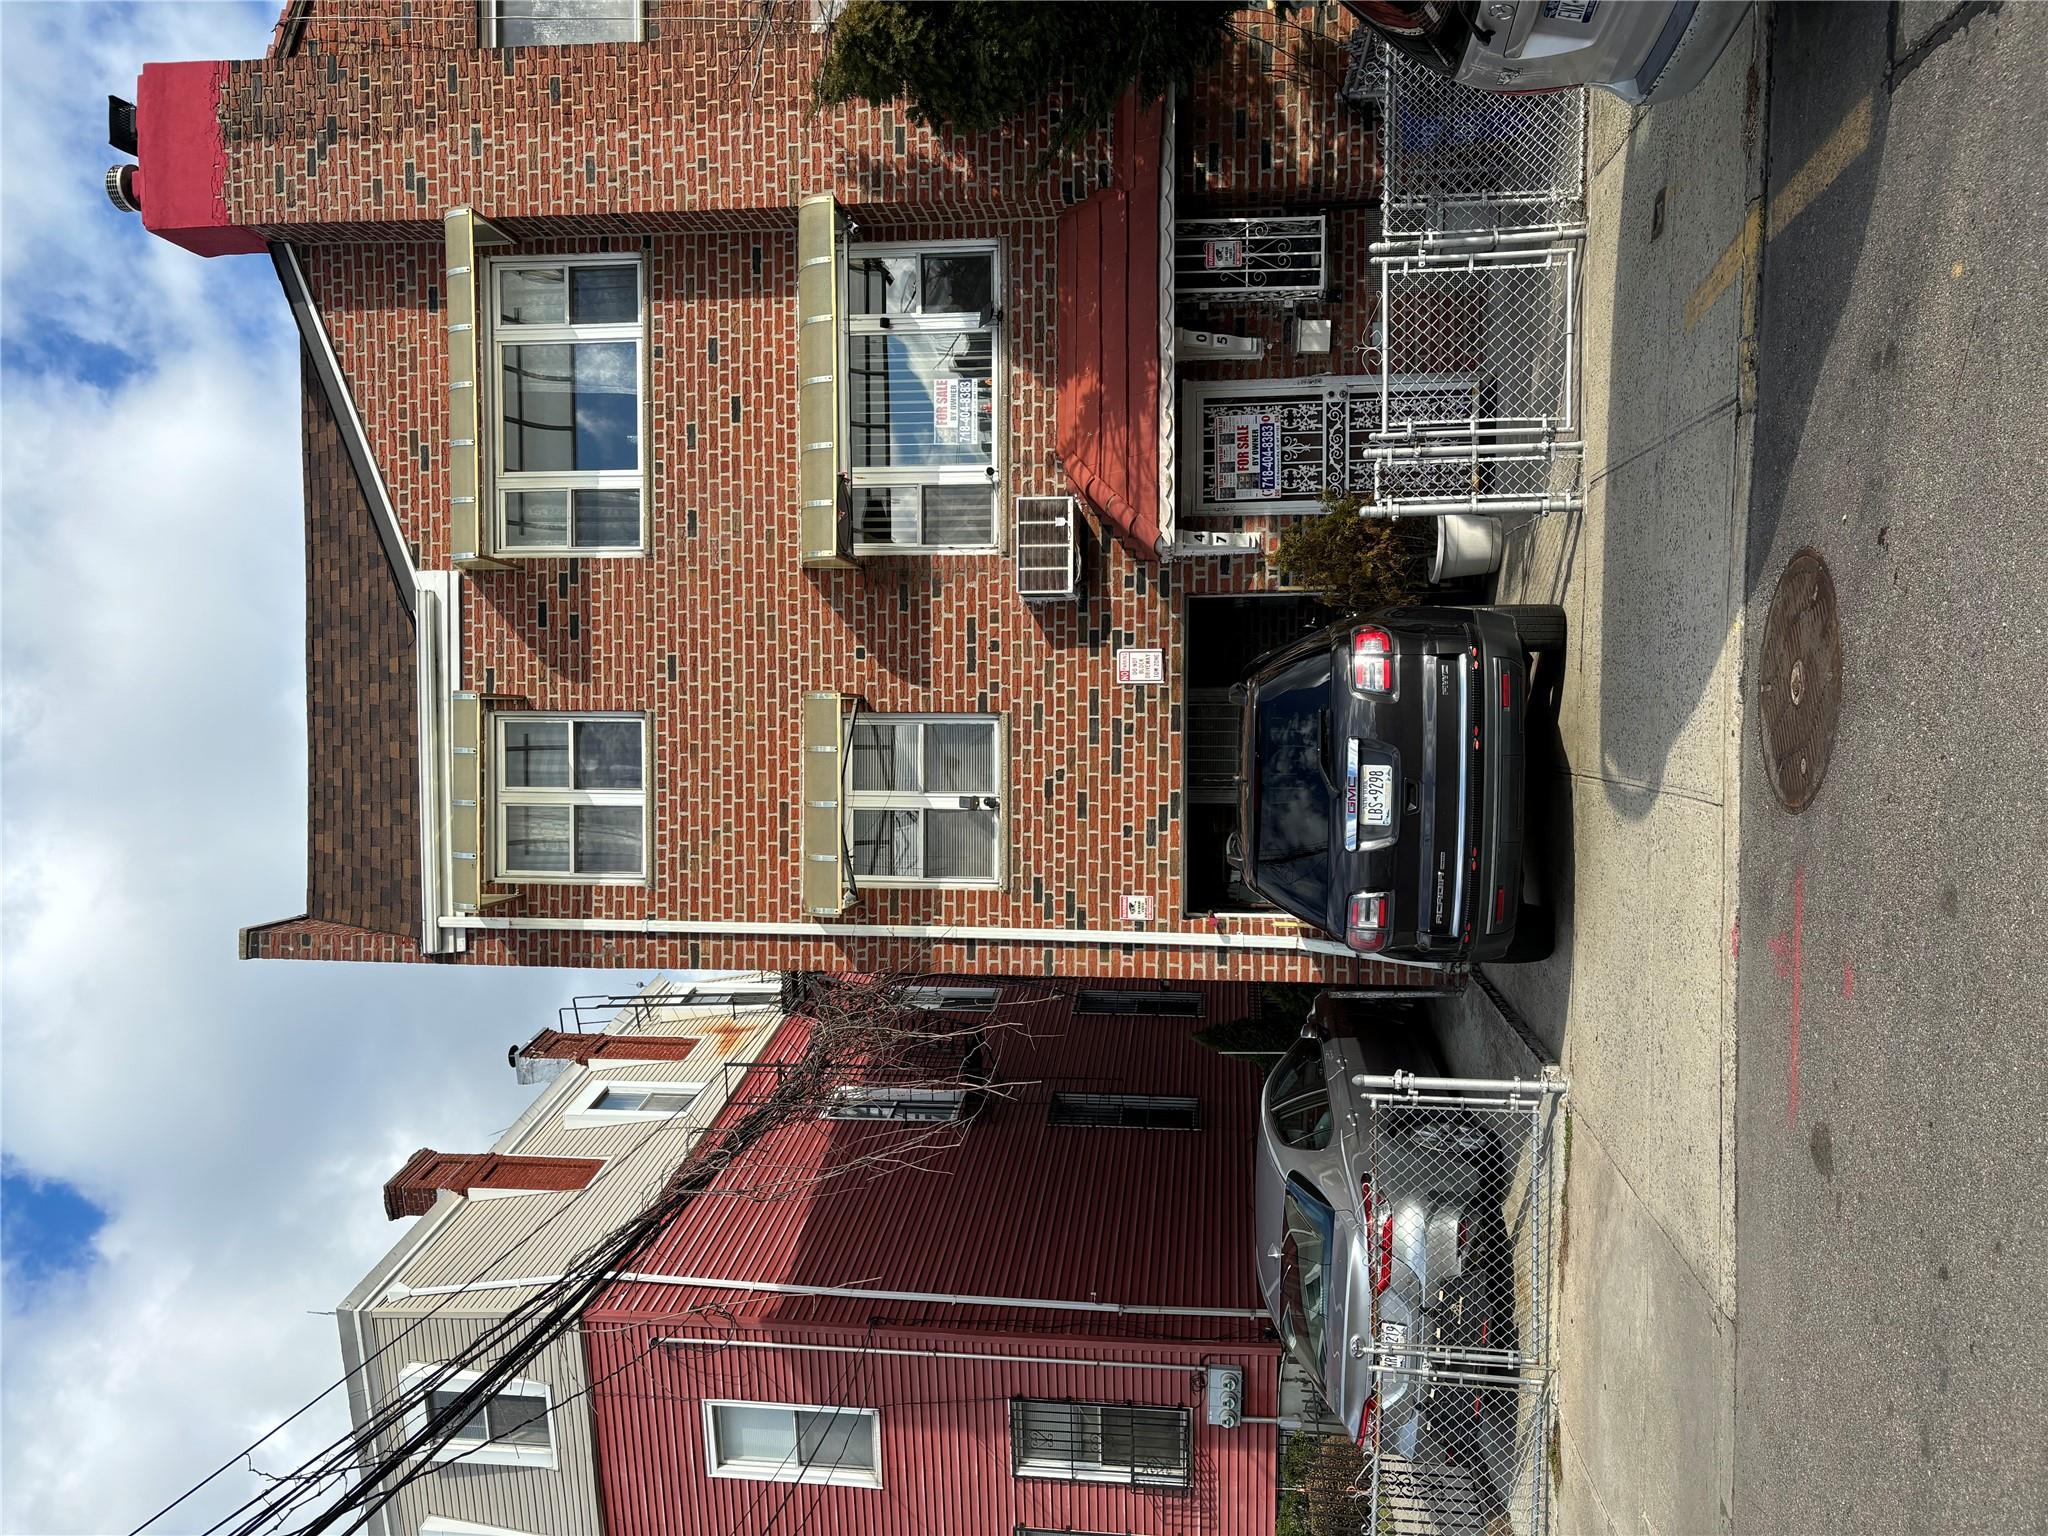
1892	996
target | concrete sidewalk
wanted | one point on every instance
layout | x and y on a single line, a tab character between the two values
1641	801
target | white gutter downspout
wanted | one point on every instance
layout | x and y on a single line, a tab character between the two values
852	1292
1282	943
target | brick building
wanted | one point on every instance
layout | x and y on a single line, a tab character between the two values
745	536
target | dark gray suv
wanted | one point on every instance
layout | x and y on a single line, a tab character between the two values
1380	789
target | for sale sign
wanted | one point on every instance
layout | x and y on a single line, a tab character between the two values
1248	456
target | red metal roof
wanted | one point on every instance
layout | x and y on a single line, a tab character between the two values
1109	338
1017	1207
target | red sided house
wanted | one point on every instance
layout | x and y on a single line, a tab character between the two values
1043	1320
745	536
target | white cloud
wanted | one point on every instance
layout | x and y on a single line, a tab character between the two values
233	1119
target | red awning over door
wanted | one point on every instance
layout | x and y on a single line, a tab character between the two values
1112	293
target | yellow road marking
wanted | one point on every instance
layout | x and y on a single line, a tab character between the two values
1850	138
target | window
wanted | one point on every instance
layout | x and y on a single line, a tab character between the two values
925	800
931	1105
1299	1096
557	23
600	1102
923	402
792	1443
512	1427
1100	1443
1125	1110
572	797
951	999
1170	1005
565	347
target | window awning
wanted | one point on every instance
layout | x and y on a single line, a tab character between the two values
821	834
1116	335
820	268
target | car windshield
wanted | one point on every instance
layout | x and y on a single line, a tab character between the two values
1292	850
1306	1251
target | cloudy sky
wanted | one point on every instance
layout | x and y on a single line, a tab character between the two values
193	1144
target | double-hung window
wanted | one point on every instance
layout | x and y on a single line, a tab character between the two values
510	1428
860	1101
600	1102
571	797
1100	1443
792	1443
568	467
925	799
923	395
558	23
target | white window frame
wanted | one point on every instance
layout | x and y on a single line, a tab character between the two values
991	477
920	800
715	1465
503	795
582	1112
500	335
484	1453
491	34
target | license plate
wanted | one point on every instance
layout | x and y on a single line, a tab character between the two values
1571	10
1376	794
1393	1336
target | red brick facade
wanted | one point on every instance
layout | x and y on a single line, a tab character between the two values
692	149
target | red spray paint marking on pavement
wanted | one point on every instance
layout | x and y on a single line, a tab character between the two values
1848	981
1798	934
1735	939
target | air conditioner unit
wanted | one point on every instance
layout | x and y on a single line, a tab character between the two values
1048	547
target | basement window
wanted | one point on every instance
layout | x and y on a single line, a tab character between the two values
1166	1005
561	23
568	470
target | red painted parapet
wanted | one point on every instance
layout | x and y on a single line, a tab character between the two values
181	179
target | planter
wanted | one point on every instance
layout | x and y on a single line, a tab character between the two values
1465	546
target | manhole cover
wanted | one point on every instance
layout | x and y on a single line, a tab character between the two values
1800	693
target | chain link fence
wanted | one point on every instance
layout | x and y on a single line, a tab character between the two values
1483	200
1465	1182
1459	160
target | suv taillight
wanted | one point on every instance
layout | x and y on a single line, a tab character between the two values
1372	660
1365	924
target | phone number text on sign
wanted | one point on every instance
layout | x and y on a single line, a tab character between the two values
1248	455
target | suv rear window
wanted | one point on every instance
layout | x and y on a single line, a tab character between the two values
1296	800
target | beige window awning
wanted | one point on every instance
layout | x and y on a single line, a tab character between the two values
822	524
821	839
469	527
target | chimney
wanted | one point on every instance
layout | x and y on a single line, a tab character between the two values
411	1191
546	1053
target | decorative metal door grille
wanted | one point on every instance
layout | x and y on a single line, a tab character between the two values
1251	261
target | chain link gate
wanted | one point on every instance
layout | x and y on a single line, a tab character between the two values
1483	201
1465	1183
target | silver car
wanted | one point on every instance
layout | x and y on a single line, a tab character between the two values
1642	50
1342	1261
